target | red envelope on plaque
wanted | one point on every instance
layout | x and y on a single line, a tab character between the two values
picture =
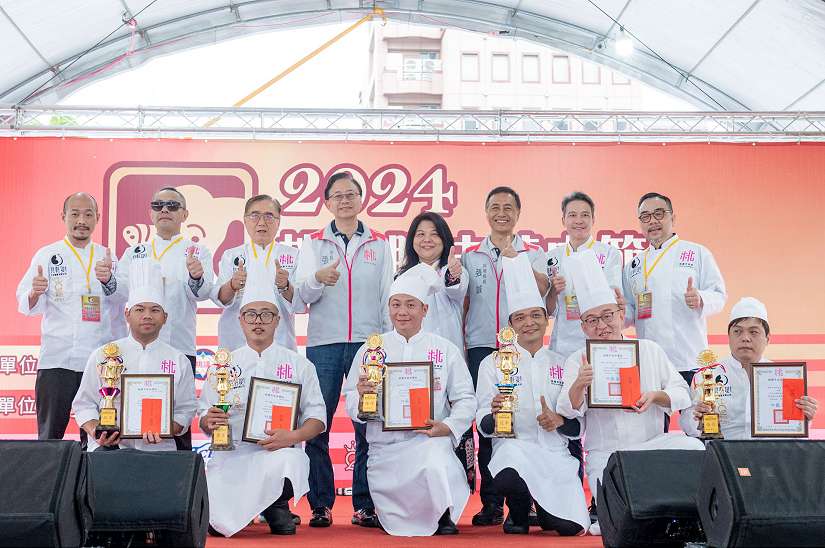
150	415
792	389
281	417
631	389
419	406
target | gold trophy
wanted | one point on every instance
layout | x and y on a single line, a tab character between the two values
709	427
222	378
506	359
373	367
109	371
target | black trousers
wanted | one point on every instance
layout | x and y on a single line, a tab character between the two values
488	492
282	501
184	441
54	390
518	499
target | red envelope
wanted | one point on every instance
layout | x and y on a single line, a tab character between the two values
419	406
792	389
631	390
150	415
281	417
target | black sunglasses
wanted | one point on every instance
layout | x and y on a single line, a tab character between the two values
171	205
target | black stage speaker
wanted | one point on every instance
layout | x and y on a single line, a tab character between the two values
763	493
647	498
44	495
149	497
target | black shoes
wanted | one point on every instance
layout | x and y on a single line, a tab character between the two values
321	517
446	525
511	528
490	514
214	532
279	519
365	518
296	519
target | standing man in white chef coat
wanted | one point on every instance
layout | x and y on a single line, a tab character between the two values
536	465
71	284
416	481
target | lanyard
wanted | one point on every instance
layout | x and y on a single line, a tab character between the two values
268	253
656	262
82	266
168	247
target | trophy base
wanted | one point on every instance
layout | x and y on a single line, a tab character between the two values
504	425
222	439
709	428
369	417
106	429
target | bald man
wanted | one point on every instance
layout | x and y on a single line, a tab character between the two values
69	283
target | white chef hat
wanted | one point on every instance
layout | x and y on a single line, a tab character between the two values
588	279
749	307
260	285
520	284
145	283
419	281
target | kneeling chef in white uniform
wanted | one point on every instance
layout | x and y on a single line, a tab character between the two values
140	352
663	390
416	481
536	465
260	478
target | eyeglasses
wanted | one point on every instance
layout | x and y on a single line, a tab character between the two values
593	321
657	214
171	205
347	196
268	218
266	317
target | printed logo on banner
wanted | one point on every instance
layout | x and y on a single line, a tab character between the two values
349	458
215	194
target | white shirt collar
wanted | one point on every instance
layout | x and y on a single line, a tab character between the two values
137	344
415	338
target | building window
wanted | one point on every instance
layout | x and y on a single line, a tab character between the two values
619	79
470	69
501	67
561	69
420	65
591	74
530	71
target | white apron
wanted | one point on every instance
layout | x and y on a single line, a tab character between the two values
426	479
244	482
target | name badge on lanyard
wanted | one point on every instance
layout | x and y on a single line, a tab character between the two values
571	305
90	308
644	305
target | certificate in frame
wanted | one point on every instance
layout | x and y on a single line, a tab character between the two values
606	358
400	378
138	387
264	394
766	399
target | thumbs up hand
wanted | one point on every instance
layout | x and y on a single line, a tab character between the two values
193	264
329	274
549	420
39	284
238	280
692	298
281	276
103	268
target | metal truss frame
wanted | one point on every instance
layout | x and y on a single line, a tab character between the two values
409	125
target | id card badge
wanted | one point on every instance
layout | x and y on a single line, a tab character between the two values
90	308
644	305
571	305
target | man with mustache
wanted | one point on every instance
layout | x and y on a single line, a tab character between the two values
671	288
70	283
186	270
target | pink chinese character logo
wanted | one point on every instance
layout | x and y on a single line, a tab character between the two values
168	366
436	356
284	371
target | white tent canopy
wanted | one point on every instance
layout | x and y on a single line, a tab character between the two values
761	55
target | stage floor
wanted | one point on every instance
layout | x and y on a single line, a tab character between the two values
342	533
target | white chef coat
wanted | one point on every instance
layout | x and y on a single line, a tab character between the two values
181	302
413	478
609	430
356	306
244	482
567	336
539	457
230	334
682	332
445	309
487	313
157	358
66	340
